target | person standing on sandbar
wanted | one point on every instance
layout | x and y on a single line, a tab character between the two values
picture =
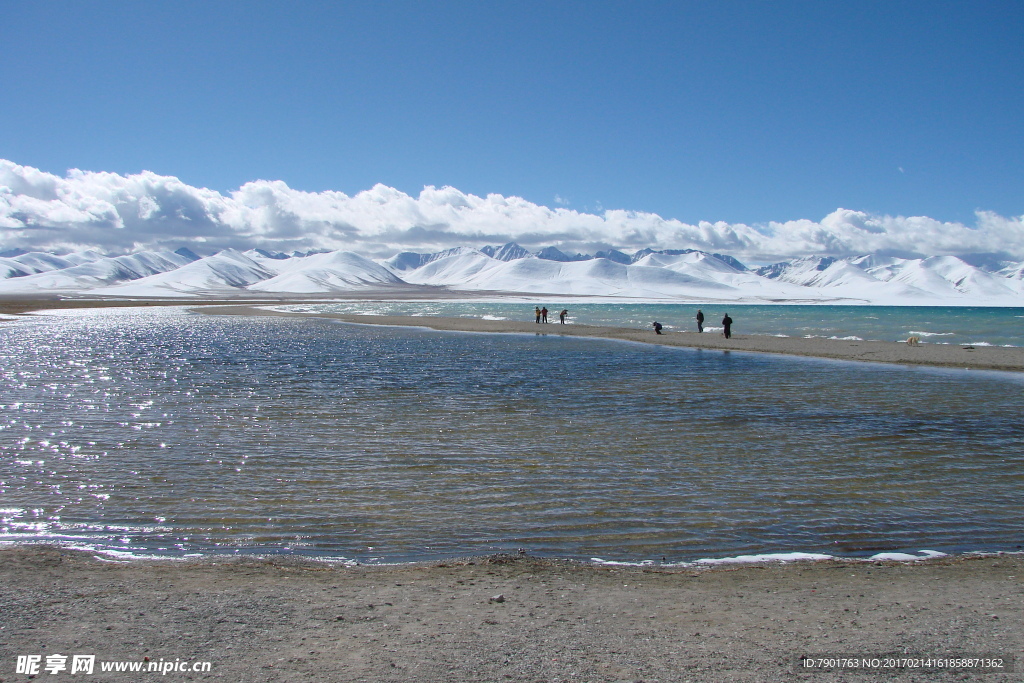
700	320
727	325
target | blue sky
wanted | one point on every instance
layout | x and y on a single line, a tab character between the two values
732	111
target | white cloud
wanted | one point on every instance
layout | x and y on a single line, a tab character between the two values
114	213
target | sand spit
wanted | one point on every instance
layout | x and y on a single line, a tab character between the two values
503	618
943	355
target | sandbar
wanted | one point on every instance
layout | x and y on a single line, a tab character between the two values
941	355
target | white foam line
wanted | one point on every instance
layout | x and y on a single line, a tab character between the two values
780	558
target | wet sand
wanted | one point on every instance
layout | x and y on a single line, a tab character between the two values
289	620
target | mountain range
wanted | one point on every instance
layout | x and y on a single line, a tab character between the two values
648	275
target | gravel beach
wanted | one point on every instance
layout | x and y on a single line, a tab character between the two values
505	618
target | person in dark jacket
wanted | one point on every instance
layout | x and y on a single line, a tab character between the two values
657	327
727	325
700	320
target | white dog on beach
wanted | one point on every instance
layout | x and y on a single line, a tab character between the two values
913	340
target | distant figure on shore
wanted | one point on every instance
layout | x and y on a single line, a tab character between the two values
544	314
657	327
700	320
537	311
727	325
561	316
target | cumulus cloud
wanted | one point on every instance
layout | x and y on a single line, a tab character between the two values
116	214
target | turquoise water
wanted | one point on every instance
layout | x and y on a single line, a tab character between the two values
162	432
936	325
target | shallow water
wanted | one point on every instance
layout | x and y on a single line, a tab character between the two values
979	326
159	431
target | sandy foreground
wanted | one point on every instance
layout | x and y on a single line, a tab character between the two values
504	618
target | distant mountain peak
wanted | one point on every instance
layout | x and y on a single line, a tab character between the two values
777	270
276	255
411	260
615	256
724	258
554	254
507	252
185	252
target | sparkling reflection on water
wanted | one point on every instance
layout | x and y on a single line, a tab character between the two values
162	431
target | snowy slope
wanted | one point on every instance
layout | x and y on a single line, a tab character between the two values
841	278
224	272
706	267
40	262
945	277
1014	271
11	268
897	281
648	275
332	272
408	260
91	274
594	277
452	271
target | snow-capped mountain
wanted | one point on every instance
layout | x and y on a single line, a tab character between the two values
221	273
507	252
1014	271
654	277
940	279
553	254
409	260
938	275
661	275
30	263
336	271
92	274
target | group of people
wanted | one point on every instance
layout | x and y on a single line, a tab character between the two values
542	314
726	324
542	317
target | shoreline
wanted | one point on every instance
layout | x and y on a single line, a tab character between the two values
518	618
995	358
503	618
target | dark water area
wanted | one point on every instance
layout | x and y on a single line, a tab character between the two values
169	433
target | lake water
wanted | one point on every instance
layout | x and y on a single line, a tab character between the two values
157	431
978	326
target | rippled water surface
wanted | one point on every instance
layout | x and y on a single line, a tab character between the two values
933	324
169	432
